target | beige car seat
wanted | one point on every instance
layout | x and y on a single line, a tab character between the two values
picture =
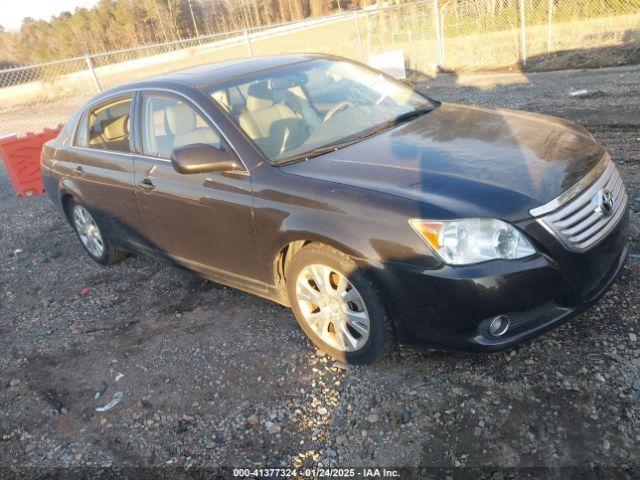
114	134
182	121
271	125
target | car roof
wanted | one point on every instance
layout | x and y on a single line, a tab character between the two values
217	72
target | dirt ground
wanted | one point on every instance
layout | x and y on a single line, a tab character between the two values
214	377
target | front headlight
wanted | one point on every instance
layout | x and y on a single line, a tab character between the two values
461	242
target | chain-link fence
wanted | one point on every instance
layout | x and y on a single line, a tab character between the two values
492	35
432	34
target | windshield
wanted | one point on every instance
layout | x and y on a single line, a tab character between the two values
301	108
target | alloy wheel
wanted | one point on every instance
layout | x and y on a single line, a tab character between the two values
88	231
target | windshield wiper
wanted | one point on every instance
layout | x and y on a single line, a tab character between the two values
320	151
404	117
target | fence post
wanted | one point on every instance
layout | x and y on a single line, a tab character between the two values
93	73
549	26
439	36
360	38
523	32
247	40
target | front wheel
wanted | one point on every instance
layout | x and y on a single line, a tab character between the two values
337	306
92	237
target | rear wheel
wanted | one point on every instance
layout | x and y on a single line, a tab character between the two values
92	237
337	306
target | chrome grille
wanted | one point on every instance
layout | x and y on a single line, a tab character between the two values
584	221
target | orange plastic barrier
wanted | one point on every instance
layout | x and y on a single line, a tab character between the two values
21	157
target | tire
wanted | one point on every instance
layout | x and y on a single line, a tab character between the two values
317	312
93	239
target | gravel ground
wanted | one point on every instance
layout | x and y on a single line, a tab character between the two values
211	376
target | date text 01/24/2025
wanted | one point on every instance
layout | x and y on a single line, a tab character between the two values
316	472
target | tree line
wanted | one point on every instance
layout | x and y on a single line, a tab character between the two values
120	24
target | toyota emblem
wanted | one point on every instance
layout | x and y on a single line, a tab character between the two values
606	202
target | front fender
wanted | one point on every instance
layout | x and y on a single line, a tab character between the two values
369	226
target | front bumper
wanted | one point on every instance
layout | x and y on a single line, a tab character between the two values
451	307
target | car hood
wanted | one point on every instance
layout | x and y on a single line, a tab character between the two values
467	160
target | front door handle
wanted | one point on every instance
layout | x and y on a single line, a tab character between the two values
146	184
78	171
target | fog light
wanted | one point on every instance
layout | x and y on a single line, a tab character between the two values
499	325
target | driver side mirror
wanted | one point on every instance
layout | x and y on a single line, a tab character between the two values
202	158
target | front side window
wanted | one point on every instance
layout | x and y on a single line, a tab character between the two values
296	109
109	127
169	123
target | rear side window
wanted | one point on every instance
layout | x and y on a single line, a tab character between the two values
108	127
169	123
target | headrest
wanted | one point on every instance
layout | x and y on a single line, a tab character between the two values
259	96
117	128
180	118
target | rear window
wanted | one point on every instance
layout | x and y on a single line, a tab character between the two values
107	127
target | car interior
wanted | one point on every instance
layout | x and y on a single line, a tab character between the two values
109	127
274	126
276	113
169	123
287	112
284	113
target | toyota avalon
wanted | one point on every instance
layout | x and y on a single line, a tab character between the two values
376	213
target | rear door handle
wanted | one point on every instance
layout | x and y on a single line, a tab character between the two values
78	171
146	184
